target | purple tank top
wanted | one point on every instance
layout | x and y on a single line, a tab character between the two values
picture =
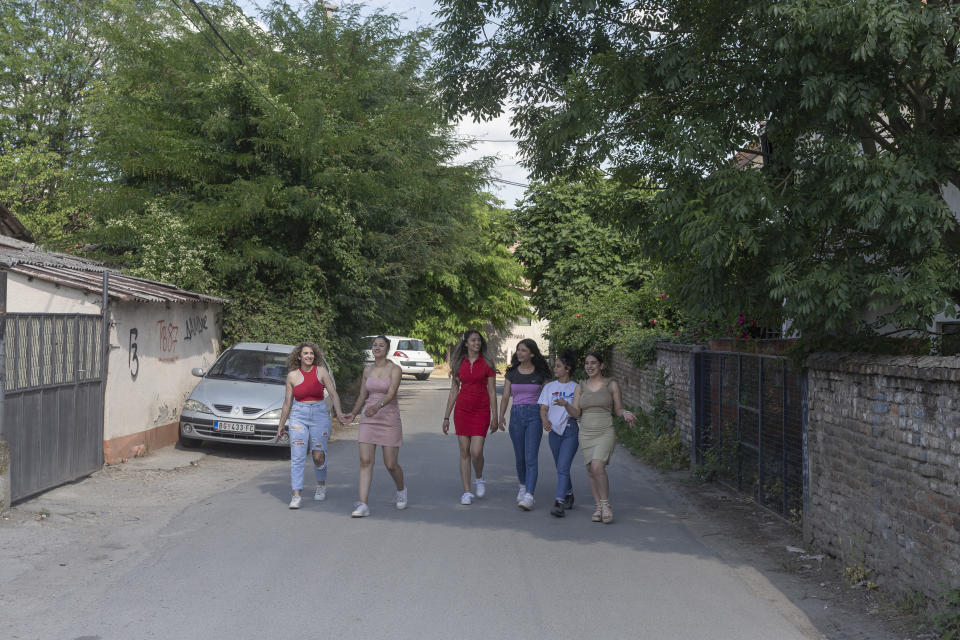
525	387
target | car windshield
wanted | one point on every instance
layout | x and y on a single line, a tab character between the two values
410	345
255	366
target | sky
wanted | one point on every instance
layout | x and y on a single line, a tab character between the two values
493	138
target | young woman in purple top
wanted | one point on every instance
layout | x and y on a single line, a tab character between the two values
525	376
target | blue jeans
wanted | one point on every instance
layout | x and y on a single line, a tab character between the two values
526	432
564	448
309	422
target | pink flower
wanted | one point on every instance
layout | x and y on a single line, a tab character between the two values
739	319
663	296
653	322
577	315
743	334
675	334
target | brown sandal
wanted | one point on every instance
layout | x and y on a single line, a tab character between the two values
606	513
597	514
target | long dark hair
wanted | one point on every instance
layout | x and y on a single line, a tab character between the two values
539	362
460	352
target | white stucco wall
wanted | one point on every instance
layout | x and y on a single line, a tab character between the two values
153	346
33	295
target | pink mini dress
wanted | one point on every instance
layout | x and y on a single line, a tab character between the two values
384	428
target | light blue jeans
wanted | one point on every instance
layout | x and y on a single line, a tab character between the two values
526	432
309	423
564	448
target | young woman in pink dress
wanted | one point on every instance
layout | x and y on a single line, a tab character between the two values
379	424
473	401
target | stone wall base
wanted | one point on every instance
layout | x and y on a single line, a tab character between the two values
136	445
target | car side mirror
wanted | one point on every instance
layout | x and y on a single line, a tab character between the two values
197	371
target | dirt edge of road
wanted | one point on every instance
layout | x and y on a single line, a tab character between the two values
759	543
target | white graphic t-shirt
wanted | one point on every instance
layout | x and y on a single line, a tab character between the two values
557	414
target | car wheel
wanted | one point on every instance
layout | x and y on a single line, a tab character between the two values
188	443
421	376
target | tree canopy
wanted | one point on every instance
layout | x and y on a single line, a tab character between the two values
300	166
850	108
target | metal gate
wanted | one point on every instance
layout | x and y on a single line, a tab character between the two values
53	399
749	427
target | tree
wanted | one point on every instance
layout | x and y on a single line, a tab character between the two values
50	58
853	108
477	284
568	250
310	179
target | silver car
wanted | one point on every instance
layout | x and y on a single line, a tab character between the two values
239	398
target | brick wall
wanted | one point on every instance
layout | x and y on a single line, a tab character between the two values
638	384
884	461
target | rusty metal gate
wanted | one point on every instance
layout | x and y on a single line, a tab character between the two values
53	398
749	426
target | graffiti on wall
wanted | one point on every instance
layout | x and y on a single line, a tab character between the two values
169	337
132	360
195	326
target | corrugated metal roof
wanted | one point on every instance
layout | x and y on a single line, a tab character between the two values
79	273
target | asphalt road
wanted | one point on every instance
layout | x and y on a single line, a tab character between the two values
240	564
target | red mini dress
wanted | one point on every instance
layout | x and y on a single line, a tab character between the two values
471	413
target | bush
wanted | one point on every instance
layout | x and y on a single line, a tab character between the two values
634	320
655	437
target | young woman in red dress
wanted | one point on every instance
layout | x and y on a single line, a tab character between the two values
473	401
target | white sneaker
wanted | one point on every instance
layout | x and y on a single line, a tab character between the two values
526	503
321	493
360	511
402	498
481	487
466	498
295	502
521	493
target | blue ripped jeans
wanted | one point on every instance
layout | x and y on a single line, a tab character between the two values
309	423
564	447
526	432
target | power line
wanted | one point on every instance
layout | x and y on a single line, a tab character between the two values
223	55
207	20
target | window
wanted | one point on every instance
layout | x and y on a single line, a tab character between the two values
523	321
410	345
950	338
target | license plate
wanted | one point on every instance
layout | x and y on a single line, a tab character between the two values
232	427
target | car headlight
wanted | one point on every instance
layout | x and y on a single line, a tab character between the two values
196	407
272	415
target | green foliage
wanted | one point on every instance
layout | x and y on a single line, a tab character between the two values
50	57
947	618
655	436
852	106
312	182
477	283
632	320
567	251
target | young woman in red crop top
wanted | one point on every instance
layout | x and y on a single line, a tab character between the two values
304	404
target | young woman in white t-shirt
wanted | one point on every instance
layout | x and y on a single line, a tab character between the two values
555	401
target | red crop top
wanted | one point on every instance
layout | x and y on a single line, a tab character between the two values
311	389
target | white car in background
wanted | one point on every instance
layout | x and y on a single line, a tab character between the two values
408	353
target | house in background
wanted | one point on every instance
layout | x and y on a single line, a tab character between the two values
86	382
502	344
